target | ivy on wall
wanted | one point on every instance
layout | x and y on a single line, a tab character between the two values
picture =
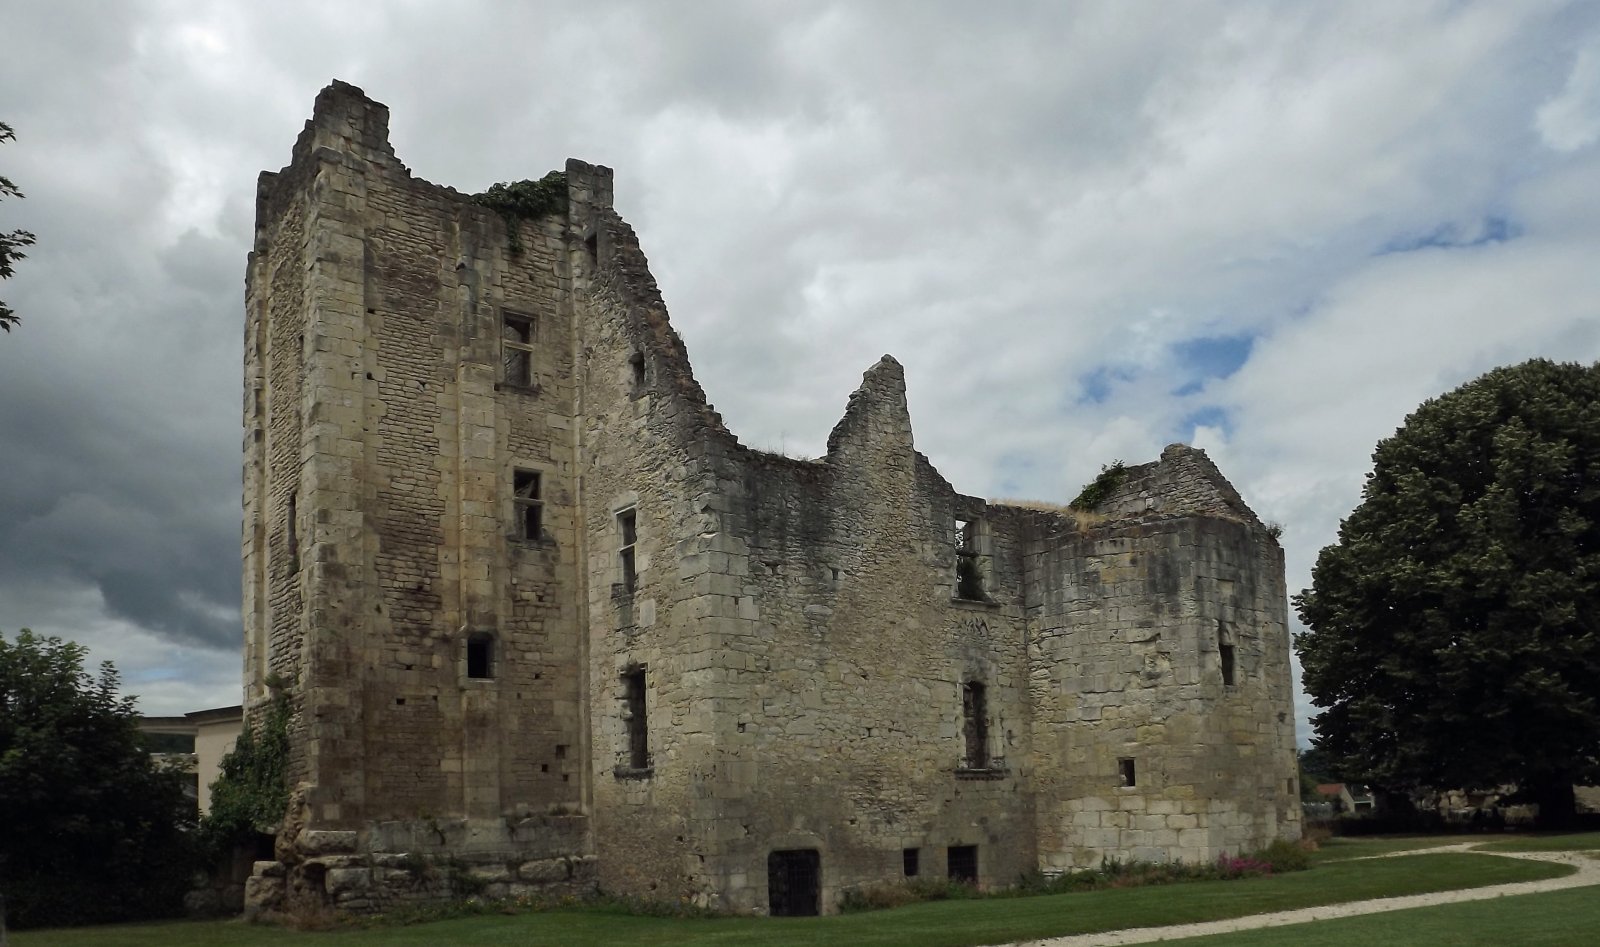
517	201
252	792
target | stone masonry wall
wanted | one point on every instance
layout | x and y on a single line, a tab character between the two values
392	435
706	654
1130	622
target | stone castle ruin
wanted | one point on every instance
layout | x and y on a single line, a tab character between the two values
544	623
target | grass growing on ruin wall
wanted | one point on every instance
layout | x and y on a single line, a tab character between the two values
935	924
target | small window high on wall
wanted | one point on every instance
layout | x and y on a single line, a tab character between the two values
627	538
635	716
518	334
975	724
1225	653
480	656
526	490
969	562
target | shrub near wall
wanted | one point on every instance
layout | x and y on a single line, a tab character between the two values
91	829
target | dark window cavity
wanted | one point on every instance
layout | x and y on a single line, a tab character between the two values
794	883
526	490
292	534
635	716
1125	769
480	655
975	724
636	372
910	860
969	562
518	333
627	537
963	864
1225	650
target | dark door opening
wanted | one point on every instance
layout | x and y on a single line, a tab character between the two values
794	883
963	864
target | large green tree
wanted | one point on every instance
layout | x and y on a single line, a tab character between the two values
11	242
1454	634
91	829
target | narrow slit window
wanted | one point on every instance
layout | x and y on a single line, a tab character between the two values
1225	653
480	656
975	724
291	535
627	539
526	490
910	860
518	333
969	564
636	718
1125	769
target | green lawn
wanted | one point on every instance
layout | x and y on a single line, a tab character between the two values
938	924
1581	841
1555	918
1340	849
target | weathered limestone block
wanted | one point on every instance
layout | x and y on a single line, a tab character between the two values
314	842
544	871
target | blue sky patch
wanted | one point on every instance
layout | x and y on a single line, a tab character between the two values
1209	416
1451	236
1097	384
1213	356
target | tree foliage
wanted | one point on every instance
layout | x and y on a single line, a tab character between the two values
1454	634
11	242
93	829
251	793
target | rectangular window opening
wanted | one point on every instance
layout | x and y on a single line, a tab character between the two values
638	724
627	536
480	656
518	334
1125	769
1225	651
910	859
293	536
526	491
963	864
975	724
969	564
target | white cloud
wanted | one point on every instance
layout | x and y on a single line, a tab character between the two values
1571	119
1007	204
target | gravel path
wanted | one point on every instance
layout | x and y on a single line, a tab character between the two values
1588	873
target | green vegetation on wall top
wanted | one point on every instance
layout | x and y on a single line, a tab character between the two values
517	201
1101	487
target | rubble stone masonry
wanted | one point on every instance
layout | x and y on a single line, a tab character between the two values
546	624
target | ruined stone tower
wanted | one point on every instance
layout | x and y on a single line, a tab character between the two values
544	622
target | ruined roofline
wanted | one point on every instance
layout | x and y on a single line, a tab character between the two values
1183	482
346	121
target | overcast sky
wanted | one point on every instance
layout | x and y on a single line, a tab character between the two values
1087	229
